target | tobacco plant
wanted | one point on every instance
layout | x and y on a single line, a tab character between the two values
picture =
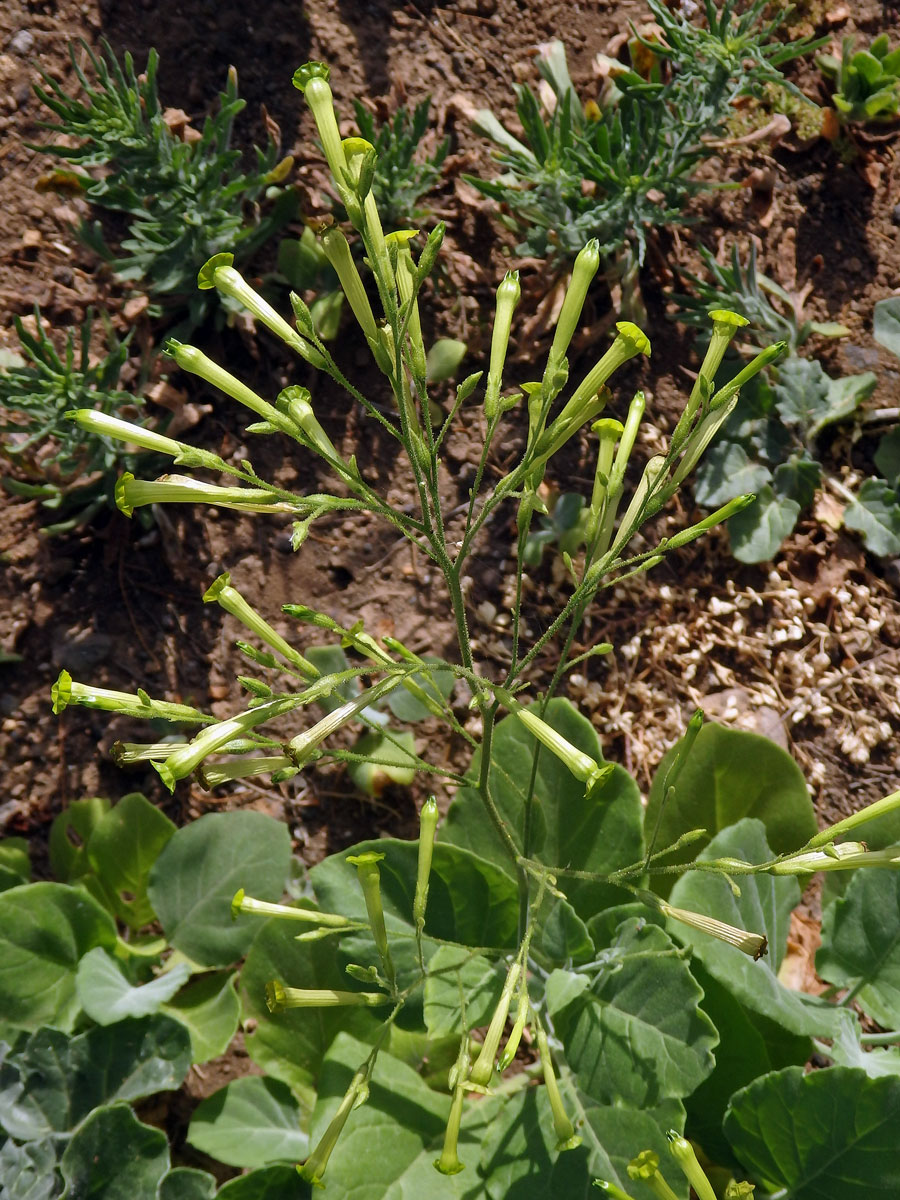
612	957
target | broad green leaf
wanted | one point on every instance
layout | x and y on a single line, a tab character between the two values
208	1006
106	995
801	393
637	1034
728	471
757	531
45	929
749	1046
861	944
113	1156
444	358
875	513
844	397
797	479
401	1118
393	763
69	835
470	901
198	872
829	1135
598	834
186	1183
519	1157
562	936
291	1045
886	327
15	865
456	972
764	906
438	686
268	1183
122	849
28	1172
729	774
250	1122
53	1081
887	457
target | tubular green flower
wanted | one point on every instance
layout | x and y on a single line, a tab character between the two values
370	881
738	504
406	282
646	1167
279	997
100	423
215	774
611	1189
449	1163
752	369
295	400
337	250
242	903
756	945
508	294
878	808
314	1167
512	1044
222	275
302	747
190	359
844	857
483	1069
183	762
581	765
566	1137
312	80
228	597
134	493
65	692
683	1153
654	473
725	326
428	819
587	263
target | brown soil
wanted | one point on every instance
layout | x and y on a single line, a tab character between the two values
804	650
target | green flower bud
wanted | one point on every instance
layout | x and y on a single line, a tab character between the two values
242	903
611	1189
302	747
512	1044
213	775
738	504
508	294
406	282
735	1190
337	250
752	369
683	1153
100	423
646	1168
65	692
428	819
295	400
566	1137
483	1069
582	766
877	808
370	881
357	1093
228	597
845	857
279	997
725	326
587	263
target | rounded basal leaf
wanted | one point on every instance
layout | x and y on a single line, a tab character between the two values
886	328
113	1156
757	532
729	774
29	1172
50	1084
875	514
829	1135
861	944
454	973
45	929
250	1123
107	996
69	836
727	472
122	849
599	833
637	1034
210	1010
200	869
15	865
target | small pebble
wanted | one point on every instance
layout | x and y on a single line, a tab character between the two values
22	43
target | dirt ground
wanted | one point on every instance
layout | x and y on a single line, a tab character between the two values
804	650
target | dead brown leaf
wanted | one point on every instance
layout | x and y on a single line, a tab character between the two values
798	967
